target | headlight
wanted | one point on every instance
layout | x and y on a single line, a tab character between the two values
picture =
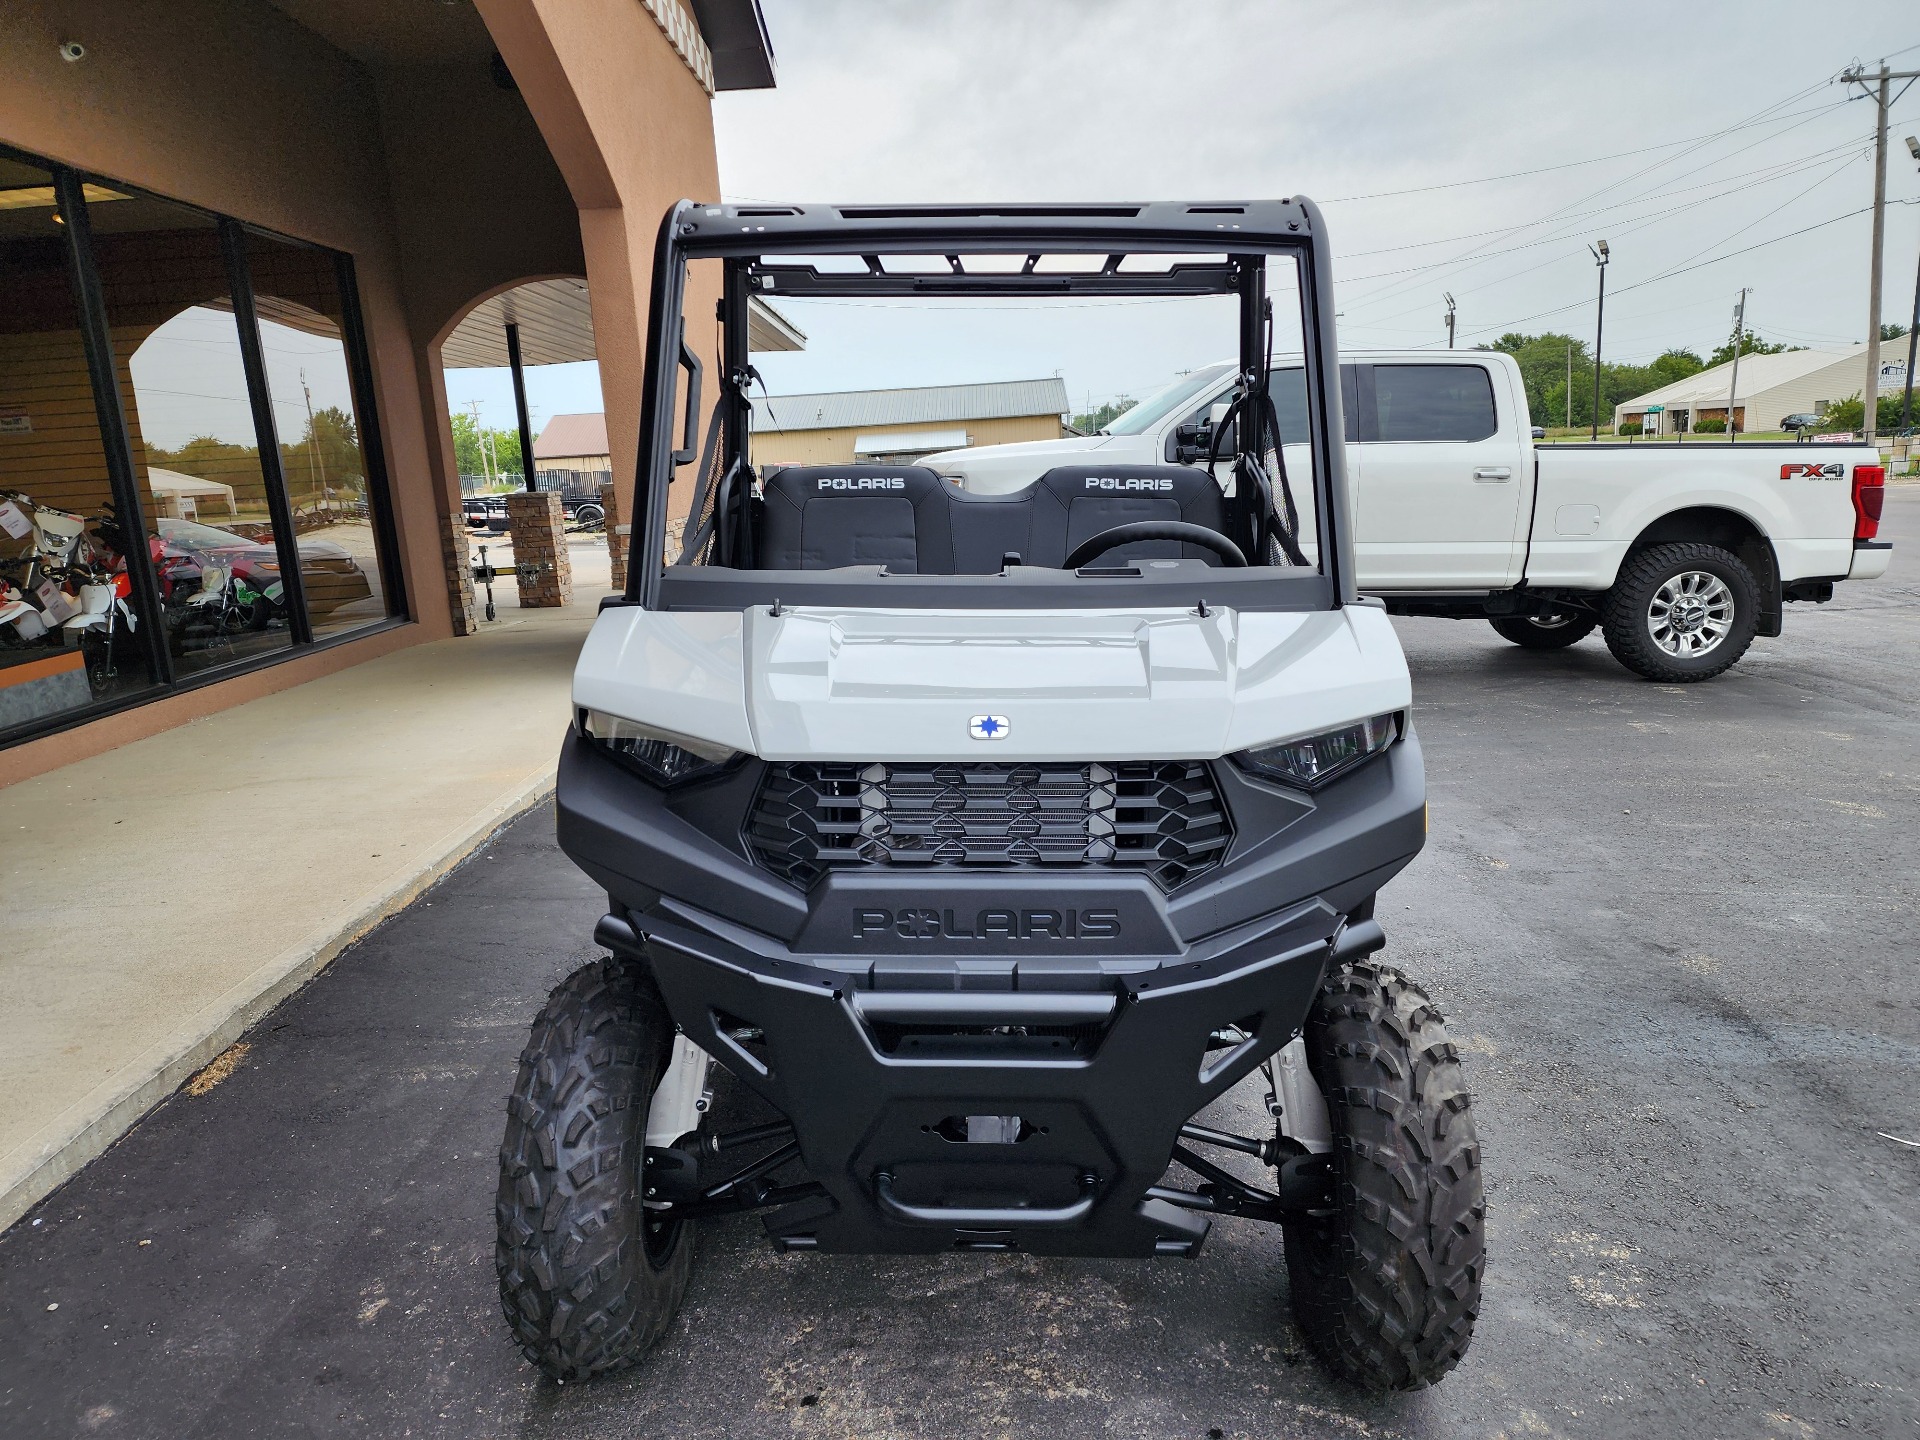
1313	760
659	755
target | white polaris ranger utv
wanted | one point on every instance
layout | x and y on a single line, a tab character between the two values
990	839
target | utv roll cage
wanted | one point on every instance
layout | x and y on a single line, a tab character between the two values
713	567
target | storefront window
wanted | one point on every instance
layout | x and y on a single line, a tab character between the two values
297	296
186	482
69	622
202	486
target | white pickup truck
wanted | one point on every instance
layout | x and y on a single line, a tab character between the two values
1681	554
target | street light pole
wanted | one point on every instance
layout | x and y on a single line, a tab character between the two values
1449	320
1739	329
1600	258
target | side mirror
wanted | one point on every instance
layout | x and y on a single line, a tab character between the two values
1229	439
1187	444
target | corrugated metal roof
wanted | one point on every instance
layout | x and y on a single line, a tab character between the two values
569	435
928	405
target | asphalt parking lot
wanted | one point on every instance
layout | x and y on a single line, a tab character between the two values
1673	928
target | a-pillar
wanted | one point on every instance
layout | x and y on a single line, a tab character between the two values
542	565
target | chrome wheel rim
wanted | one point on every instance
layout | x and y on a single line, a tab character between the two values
1690	614
1550	622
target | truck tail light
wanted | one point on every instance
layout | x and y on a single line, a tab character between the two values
1869	496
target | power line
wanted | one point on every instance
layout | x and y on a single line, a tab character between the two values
1570	164
1668	275
1561	212
1775	170
1642	221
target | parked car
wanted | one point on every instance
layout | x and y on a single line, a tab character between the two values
1539	432
1799	422
1680	554
182	549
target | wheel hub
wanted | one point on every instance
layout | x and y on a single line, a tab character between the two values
1690	614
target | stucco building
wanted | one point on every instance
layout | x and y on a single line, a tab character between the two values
235	237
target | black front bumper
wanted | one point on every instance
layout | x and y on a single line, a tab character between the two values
1080	1045
1091	1087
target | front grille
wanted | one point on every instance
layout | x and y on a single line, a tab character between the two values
1161	816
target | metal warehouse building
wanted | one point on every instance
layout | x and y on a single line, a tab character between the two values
1772	387
902	425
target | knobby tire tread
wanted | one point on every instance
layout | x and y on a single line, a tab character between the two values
579	1289
1386	1287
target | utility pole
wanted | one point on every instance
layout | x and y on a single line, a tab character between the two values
1449	296
1880	92
1600	258
1739	330
1569	382
486	468
1913	330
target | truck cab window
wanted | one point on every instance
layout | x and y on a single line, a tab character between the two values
1433	403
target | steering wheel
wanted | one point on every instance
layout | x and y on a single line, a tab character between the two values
1096	545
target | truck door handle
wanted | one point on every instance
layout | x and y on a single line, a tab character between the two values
1492	474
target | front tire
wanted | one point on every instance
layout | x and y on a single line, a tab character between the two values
1680	613
1386	1283
588	1280
1543	632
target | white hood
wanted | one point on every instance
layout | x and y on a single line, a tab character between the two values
904	685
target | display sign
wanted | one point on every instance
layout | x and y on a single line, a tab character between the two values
14	521
15	422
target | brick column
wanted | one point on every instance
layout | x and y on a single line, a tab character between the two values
616	540
538	527
457	555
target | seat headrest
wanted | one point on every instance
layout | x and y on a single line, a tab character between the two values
803	483
1178	483
1073	503
824	517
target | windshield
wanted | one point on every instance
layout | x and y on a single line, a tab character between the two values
1167	399
194	535
861	431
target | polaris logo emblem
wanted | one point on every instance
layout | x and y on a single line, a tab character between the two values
988	727
921	924
861	482
1117	482
1804	470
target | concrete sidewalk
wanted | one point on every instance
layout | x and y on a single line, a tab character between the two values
160	898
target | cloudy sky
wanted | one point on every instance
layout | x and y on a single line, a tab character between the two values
1466	147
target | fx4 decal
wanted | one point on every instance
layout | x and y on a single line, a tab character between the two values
1813	470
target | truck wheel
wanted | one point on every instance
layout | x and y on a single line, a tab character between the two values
1544	632
588	1280
1386	1283
1681	612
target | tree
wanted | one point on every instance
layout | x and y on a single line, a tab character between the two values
1101	415
1890	330
1851	413
325	463
1750	344
1543	369
473	444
